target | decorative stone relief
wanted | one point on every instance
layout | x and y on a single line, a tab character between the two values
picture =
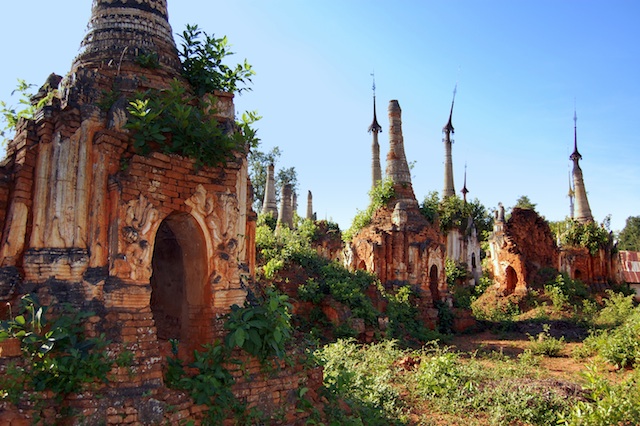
219	213
134	262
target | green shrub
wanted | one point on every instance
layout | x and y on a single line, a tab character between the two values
59	357
617	308
380	196
202	58
262	329
364	376
619	346
545	344
608	403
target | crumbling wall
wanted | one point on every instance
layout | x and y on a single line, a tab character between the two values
519	248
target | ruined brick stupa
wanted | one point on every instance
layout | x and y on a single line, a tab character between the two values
400	246
154	245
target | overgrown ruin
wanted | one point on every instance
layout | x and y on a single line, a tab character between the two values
157	247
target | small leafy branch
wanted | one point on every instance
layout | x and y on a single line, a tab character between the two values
11	114
59	356
202	58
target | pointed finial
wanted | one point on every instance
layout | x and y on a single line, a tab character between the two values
449	126
464	189
575	155
373	75
374	127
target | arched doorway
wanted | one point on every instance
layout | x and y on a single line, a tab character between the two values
577	275
179	273
433	284
512	280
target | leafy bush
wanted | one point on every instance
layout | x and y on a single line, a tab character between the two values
608	403
380	196
589	235
262	329
453	212
178	122
59	357
620	345
209	382
202	58
545	344
364	376
617	309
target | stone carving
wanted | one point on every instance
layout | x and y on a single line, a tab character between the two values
140	218
219	219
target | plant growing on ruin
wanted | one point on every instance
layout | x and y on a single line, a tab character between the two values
202	57
262	328
10	114
60	358
379	195
589	235
208	381
175	121
453	212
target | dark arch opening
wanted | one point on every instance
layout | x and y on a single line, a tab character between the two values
433	284
512	280
577	275
473	261
179	273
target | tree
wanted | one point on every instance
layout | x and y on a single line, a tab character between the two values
258	164
629	238
525	203
453	212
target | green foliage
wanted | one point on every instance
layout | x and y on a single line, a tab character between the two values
11	114
524	203
608	403
565	292
617	309
453	212
380	196
452	384
402	310
629	237
148	60
618	344
209	382
364	377
60	358
545	344
177	122
202	57
262	329
589	235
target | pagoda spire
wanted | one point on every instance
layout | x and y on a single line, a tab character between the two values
375	128
571	196
270	204
464	189
448	130
121	31
397	166
582	211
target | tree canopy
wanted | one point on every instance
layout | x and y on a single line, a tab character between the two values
629	237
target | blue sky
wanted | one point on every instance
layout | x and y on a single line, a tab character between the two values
519	66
